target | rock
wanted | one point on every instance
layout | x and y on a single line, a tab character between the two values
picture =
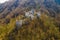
38	14
31	16
19	24
27	14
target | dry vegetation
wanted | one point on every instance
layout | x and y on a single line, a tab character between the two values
43	28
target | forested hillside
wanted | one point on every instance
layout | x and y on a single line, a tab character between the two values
30	20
